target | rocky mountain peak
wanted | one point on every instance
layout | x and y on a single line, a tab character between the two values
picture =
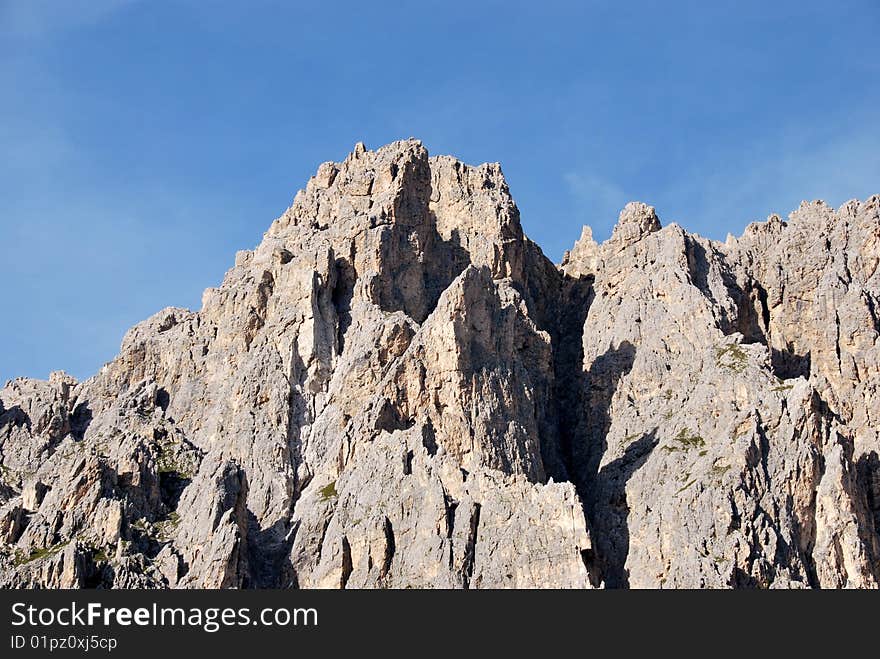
397	389
636	221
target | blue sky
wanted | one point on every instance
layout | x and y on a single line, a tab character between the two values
143	143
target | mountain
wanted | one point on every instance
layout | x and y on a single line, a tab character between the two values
397	389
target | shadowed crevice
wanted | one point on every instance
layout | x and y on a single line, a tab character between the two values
570	381
269	554
603	492
421	264
787	364
698	267
601	381
342	294
868	475
80	421
16	417
611	510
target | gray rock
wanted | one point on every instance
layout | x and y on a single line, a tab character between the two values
397	389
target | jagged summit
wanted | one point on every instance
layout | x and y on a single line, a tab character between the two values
397	389
636	221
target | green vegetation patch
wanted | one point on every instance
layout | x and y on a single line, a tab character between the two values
39	554
174	454
686	485
165	528
166	464
731	357
100	556
328	491
685	440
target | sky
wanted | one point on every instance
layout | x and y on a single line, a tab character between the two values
142	143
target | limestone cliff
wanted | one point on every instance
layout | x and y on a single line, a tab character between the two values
397	389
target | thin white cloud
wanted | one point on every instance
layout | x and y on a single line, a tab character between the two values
25	19
774	178
722	192
598	200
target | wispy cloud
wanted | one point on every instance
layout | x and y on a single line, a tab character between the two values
40	18
598	200
761	179
723	191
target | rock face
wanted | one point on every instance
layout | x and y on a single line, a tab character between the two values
397	389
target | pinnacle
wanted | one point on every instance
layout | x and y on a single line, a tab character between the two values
636	221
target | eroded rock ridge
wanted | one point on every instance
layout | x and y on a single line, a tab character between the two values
397	389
